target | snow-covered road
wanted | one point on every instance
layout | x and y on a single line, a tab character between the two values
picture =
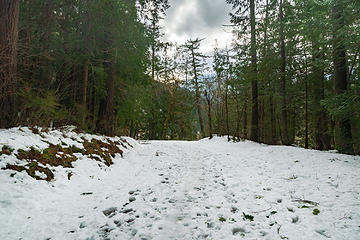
191	190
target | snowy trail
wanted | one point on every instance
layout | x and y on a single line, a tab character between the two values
193	190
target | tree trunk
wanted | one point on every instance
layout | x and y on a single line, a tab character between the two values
110	102
238	117
84	94
85	72
322	139
227	111
197	93
93	104
262	131
245	132
219	116
170	110
9	14
254	83
343	136
209	114
153	49
273	120
45	63
284	120
261	112
306	106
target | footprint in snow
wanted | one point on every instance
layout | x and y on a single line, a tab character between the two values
295	219
105	230
130	220
323	233
128	210
238	231
117	223
110	212
234	209
82	225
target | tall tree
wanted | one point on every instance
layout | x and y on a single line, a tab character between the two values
152	11
343	135
322	139
9	14
245	14
192	47
284	116
209	94
254	134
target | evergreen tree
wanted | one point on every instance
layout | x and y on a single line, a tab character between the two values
9	13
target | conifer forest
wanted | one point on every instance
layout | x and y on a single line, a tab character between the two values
179	119
291	75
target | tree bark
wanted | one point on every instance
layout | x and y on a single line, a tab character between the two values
254	83
84	94
105	123
93	104
219	111
9	14
274	137
322	139
306	105
238	118
227	111
209	114
45	63
245	132
110	99
170	110
284	119
197	92
85	72
343	135
262	131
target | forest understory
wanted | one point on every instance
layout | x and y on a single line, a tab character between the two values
290	75
129	119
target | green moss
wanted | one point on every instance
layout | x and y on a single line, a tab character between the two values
75	149
5	147
34	150
316	211
105	150
57	155
248	217
6	150
14	168
31	169
54	155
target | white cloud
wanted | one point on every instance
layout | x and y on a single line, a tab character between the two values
190	19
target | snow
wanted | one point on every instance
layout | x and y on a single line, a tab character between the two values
208	189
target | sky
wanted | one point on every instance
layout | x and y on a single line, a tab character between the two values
191	19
